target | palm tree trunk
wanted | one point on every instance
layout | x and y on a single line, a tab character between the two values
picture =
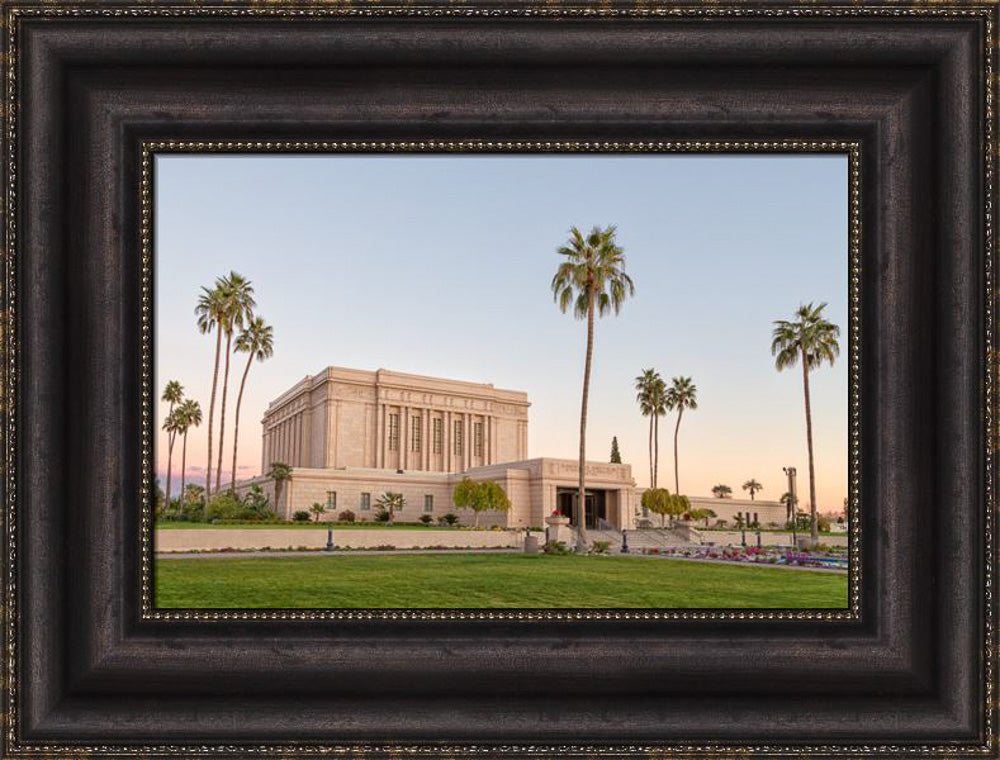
170	466
677	428
211	413
581	506
651	481
184	451
809	442
656	450
222	413
236	421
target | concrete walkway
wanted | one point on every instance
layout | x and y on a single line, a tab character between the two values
323	553
362	553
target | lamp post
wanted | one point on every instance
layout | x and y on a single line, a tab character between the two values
329	538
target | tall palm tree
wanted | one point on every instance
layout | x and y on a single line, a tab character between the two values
682	395
257	342
211	311
592	278
238	295
753	487
813	340
171	424
658	400
190	416
173	394
644	397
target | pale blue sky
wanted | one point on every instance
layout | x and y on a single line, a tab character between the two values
441	265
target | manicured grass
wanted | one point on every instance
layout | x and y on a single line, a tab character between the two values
482	581
170	525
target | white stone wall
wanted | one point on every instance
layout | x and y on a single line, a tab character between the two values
208	539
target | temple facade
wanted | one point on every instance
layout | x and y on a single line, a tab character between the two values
352	435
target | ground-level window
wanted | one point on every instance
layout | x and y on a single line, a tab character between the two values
478	438
428	503
438	432
366	502
459	442
331	499
416	433
393	432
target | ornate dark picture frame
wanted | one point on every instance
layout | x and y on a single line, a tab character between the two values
93	88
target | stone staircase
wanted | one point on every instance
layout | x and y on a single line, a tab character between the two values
655	538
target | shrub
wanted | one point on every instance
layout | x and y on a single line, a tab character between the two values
301	516
822	524
227	506
382	516
448	519
426	519
600	547
346	516
556	547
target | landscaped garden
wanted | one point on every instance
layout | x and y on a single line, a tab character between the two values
484	580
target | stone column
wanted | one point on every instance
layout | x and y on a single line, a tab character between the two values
404	434
425	432
468	440
446	442
379	433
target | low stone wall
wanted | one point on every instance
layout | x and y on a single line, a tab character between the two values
208	539
733	538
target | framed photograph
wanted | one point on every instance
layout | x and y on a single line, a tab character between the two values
338	341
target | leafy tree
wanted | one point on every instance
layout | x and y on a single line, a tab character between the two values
661	502
722	491
810	339
279	473
681	395
190	416
484	496
753	487
173	394
616	455
592	279
317	509
702	514
391	502
257	342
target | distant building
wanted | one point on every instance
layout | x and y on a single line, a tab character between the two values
351	435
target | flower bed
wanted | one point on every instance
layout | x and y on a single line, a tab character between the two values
753	555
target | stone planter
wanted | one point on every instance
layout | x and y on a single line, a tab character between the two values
558	529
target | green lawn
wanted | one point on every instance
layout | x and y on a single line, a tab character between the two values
483	581
178	525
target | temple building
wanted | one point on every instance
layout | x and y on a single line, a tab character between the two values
351	435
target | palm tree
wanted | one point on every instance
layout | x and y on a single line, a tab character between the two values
173	394
257	342
190	414
172	425
682	395
391	502
644	386
787	500
238	294
811	338
279	473
753	487
211	310
592	278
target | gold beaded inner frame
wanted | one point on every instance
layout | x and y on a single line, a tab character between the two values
852	149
